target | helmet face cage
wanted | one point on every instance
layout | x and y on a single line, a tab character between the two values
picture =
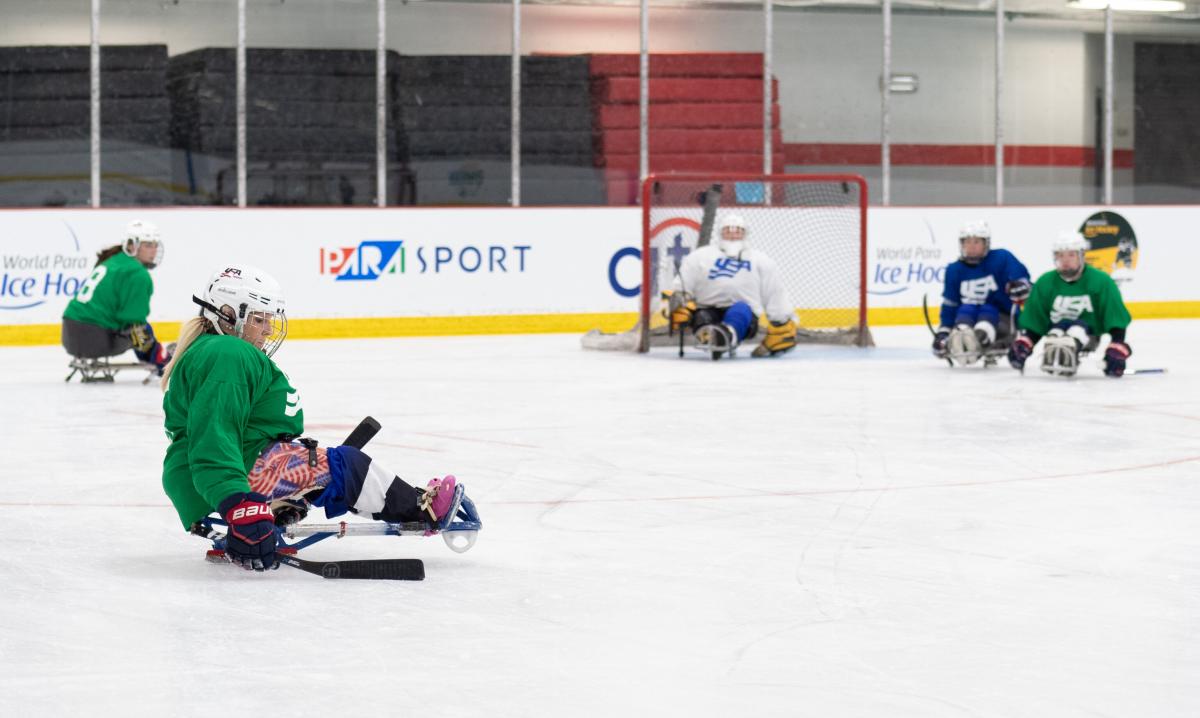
732	247
978	230
1070	243
245	303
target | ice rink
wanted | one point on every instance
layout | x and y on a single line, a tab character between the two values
836	532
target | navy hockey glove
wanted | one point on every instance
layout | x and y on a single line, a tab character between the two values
1114	358
939	343
1018	290
250	542
1019	352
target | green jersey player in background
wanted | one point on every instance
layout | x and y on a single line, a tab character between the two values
108	314
1071	306
233	419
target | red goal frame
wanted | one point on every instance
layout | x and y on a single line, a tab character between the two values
646	196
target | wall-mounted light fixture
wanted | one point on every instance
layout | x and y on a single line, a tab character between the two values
901	83
1129	5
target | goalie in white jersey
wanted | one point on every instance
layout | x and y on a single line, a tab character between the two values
723	290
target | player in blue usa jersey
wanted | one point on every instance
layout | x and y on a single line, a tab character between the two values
977	302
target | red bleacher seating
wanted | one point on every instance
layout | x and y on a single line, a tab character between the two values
706	115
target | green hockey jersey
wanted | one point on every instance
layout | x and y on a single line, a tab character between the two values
115	296
1093	299
226	402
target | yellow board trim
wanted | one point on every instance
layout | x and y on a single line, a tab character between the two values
362	327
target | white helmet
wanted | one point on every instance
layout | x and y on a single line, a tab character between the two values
247	303
979	230
139	231
1068	241
731	247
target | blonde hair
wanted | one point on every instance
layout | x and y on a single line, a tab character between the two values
191	329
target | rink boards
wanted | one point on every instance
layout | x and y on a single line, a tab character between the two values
441	271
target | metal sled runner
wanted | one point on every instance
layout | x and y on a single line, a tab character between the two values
102	370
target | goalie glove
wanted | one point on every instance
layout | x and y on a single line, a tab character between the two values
680	308
1114	358
1018	290
781	337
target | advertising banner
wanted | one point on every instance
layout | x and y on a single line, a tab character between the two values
462	270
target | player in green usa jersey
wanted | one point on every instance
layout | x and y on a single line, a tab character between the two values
1071	306
233	419
108	314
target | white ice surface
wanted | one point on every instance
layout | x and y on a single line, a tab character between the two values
837	532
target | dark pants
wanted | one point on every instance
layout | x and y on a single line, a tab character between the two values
716	315
89	341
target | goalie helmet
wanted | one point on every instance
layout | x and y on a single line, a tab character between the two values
247	303
978	230
140	232
731	234
1070	243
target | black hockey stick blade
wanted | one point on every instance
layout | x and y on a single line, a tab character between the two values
392	569
925	311
711	201
363	433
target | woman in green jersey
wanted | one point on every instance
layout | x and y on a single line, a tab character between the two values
108	314
1071	306
233	419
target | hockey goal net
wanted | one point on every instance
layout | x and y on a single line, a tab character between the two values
813	226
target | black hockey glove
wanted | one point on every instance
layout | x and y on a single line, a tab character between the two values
1114	358
1020	350
939	343
250	542
289	511
1018	290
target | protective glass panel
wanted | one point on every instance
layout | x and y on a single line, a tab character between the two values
45	118
310	102
158	141
1053	93
834	56
453	101
942	109
1160	80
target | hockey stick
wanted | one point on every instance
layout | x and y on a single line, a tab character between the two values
710	199
395	569
363	433
929	324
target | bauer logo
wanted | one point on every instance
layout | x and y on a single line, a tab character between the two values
372	259
31	279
